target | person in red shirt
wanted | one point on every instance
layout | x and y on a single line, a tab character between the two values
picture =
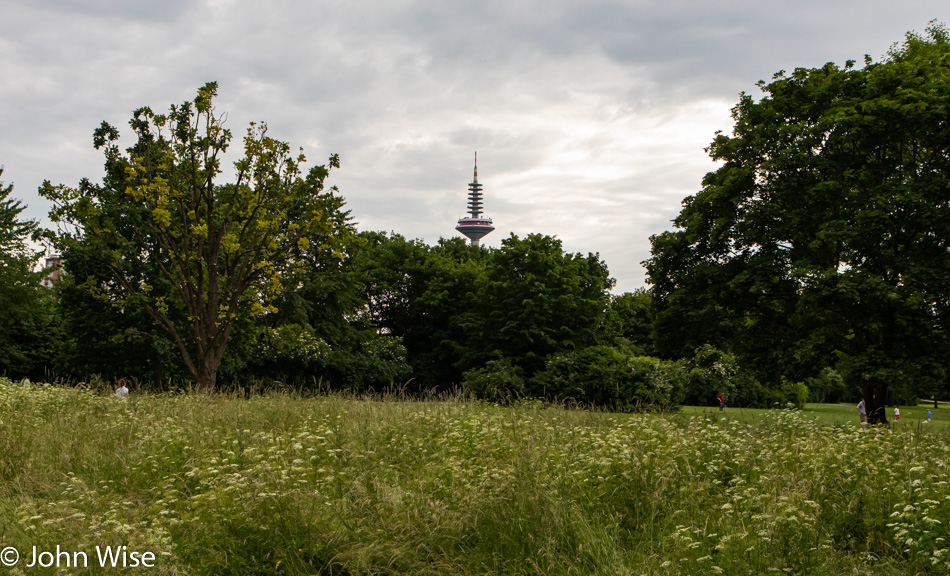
722	401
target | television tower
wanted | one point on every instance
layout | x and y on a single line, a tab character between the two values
475	227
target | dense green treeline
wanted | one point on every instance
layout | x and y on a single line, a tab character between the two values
395	314
524	320
813	264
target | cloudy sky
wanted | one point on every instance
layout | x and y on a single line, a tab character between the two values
589	117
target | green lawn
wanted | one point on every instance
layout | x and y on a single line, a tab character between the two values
834	414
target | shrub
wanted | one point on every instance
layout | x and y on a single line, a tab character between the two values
828	386
377	362
753	394
795	393
498	381
670	378
710	372
610	377
294	354
291	353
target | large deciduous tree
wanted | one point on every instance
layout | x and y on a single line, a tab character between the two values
422	294
824	237
537	300
196	253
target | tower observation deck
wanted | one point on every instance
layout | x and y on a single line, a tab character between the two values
475	226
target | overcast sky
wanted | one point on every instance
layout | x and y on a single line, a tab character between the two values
589	117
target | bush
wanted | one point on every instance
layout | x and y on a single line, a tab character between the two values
795	394
750	393
670	378
290	353
610	377
294	354
498	381
377	362
828	386
711	372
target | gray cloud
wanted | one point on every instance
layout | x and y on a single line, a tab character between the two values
589	118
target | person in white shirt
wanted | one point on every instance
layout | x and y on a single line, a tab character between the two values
122	391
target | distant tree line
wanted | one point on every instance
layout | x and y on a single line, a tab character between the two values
526	320
814	264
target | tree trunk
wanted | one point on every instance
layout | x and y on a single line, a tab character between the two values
207	375
875	402
159	374
209	359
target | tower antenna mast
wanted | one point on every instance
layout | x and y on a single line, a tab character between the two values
475	226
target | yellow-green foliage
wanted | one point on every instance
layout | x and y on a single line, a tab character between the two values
278	485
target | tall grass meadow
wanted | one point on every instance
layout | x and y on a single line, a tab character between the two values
279	484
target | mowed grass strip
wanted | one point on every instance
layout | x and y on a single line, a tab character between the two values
835	414
333	485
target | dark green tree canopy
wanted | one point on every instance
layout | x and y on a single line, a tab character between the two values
25	305
458	307
538	300
824	237
14	231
